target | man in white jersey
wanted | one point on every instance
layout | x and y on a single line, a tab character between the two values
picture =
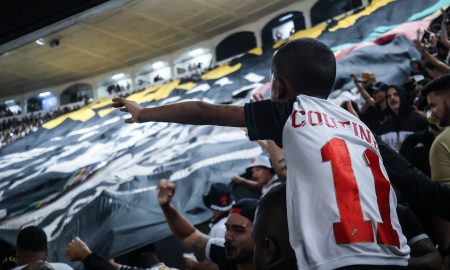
341	207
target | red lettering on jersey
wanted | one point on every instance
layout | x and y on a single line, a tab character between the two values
365	134
344	123
352	227
294	119
318	120
325	116
386	234
355	129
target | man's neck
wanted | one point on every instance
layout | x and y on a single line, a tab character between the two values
246	266
30	258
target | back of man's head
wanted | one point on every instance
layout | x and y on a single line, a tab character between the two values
439	85
271	234
307	65
31	245
32	239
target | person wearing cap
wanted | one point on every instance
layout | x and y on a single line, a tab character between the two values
31	246
263	176
233	252
219	200
374	110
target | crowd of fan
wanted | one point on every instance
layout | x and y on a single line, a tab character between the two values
398	114
13	128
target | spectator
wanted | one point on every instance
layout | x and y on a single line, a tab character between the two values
438	96
374	111
31	246
263	176
233	252
302	119
404	119
416	147
272	248
219	200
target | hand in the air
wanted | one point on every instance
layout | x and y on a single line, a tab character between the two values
77	250
166	192
128	106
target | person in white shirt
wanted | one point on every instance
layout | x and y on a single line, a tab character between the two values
263	175
341	206
31	246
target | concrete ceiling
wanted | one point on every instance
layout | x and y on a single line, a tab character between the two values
122	36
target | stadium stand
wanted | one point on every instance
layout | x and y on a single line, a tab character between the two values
78	171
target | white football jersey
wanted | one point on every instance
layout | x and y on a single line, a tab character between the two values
341	206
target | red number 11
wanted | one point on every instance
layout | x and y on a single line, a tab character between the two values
352	227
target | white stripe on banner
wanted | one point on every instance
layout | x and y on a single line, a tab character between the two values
180	174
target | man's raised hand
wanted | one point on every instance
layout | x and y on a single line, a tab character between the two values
166	192
128	106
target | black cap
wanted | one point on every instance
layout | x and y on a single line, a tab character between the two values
32	238
219	198
246	208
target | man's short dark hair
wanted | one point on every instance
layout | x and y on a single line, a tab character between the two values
439	85
32	238
308	65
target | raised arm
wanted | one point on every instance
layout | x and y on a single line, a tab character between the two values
276	155
444	34
369	101
181	228
440	66
191	112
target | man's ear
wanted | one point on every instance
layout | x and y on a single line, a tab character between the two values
271	250
280	87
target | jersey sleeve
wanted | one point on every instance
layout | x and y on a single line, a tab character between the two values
266	119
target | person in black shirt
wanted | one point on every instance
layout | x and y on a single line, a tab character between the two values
416	148
404	121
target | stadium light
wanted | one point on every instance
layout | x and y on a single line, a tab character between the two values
157	65
118	76
44	94
288	16
196	52
40	42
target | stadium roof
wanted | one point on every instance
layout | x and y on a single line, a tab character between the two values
117	34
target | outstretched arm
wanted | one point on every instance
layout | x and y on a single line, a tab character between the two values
181	228
191	112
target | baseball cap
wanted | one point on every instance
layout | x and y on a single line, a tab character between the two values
219	198
246	208
260	161
380	86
